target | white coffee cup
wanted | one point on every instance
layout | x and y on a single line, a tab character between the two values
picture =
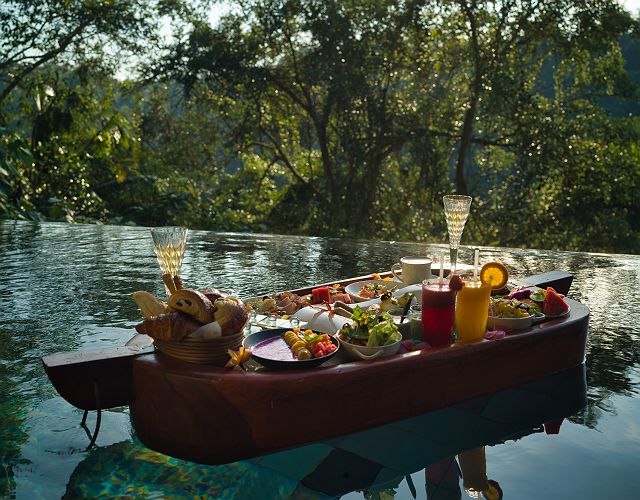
414	269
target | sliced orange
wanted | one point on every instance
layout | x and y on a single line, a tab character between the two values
494	274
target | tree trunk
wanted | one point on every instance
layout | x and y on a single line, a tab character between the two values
465	143
476	87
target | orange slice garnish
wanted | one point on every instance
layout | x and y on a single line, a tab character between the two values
494	274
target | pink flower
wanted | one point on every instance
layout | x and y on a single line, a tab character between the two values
495	334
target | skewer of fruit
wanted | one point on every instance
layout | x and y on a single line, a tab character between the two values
297	345
316	346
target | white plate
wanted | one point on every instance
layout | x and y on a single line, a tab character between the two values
354	288
509	324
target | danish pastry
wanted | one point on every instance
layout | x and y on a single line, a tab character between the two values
193	303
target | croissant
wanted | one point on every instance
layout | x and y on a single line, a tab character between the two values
172	326
193	303
149	305
231	313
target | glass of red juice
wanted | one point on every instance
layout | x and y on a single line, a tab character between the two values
438	312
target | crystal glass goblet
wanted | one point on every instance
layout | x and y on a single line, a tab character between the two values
169	243
456	211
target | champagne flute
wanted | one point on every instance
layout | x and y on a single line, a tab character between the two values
456	211
169	244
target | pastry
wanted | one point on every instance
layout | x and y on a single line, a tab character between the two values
149	304
214	294
168	282
193	303
171	326
231	313
177	282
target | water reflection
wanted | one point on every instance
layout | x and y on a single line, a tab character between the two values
419	453
65	287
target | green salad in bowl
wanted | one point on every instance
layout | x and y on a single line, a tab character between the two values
370	334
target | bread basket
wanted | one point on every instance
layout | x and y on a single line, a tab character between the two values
209	351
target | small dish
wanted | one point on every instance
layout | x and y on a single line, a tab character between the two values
416	290
366	353
509	324
275	335
354	288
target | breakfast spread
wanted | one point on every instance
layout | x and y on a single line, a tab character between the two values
211	314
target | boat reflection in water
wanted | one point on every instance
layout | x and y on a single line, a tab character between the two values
448	444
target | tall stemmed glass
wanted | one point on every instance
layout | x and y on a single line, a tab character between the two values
456	211
169	244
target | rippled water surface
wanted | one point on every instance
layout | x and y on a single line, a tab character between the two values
68	287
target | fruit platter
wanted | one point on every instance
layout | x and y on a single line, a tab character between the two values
290	349
196	392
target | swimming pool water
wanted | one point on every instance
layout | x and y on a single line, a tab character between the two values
68	287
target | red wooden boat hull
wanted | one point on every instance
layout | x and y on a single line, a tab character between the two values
212	416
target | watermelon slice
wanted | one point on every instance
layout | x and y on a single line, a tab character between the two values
554	304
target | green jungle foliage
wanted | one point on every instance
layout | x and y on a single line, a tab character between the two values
325	117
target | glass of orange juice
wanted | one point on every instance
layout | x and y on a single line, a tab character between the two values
472	309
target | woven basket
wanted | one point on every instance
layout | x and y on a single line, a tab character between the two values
212	351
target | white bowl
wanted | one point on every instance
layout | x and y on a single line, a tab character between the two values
509	324
368	353
354	288
416	290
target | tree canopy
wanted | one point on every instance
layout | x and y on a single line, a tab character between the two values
339	118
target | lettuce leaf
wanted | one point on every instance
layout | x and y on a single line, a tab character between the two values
384	333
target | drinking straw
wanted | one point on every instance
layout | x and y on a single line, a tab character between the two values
441	276
476	258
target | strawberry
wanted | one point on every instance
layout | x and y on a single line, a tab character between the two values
455	283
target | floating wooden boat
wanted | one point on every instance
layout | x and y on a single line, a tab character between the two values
211	415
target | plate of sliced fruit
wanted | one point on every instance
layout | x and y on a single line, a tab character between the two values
551	303
291	348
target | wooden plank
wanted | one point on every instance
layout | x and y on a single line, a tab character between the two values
76	374
559	280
